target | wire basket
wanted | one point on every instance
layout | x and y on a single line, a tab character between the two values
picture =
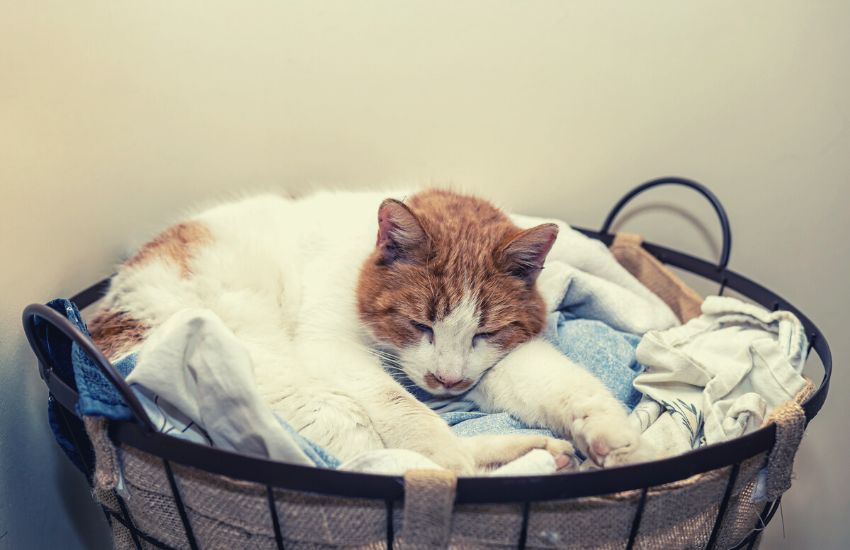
161	492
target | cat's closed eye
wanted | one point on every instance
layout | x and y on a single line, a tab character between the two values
424	329
478	338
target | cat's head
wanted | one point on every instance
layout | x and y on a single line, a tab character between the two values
450	287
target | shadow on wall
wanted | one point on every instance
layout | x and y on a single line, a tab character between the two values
72	489
708	236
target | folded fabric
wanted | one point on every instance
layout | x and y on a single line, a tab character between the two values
720	375
197	365
583	278
684	301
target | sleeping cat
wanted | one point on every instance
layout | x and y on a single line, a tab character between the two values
446	295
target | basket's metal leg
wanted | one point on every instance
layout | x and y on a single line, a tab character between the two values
730	486
105	511
390	525
130	525
523	530
723	284
175	492
637	519
753	538
278	537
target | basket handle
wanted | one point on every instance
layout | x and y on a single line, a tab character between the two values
698	187
66	327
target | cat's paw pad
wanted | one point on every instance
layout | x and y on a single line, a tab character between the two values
608	441
564	454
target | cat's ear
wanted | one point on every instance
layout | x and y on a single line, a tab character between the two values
400	233
523	256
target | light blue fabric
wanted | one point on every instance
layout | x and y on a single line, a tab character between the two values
98	397
318	454
607	353
467	424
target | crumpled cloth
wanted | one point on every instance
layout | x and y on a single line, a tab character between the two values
720	375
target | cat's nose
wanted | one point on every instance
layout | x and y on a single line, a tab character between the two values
447	381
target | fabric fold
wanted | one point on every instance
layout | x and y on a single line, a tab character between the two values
720	375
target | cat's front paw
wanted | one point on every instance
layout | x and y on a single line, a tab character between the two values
608	439
563	453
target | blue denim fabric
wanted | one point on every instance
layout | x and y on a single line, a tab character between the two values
57	347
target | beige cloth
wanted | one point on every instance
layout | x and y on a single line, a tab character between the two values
682	299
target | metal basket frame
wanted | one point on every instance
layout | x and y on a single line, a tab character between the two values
141	434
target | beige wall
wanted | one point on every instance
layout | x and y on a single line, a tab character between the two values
114	116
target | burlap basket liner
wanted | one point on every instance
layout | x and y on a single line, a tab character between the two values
226	514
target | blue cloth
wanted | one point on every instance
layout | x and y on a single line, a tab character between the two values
96	394
315	452
66	428
607	353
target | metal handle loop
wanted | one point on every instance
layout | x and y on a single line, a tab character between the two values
698	187
66	327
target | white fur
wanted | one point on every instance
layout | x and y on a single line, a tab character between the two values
282	274
451	355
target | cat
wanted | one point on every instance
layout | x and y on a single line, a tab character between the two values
446	294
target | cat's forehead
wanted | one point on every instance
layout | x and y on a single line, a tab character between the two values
463	314
450	292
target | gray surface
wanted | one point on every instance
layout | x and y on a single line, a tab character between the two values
114	119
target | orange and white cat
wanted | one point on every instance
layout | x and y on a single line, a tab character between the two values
446	294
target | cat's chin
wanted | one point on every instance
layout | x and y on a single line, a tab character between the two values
447	393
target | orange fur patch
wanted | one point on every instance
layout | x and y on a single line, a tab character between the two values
116	333
176	244
463	252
